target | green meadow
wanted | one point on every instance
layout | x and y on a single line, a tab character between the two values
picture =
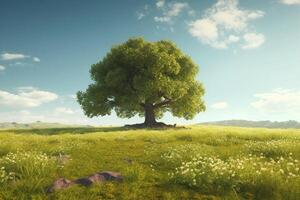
196	162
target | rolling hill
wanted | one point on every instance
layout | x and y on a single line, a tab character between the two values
256	124
36	125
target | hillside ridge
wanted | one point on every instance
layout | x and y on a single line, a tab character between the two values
37	125
256	124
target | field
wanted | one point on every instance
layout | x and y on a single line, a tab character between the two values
198	162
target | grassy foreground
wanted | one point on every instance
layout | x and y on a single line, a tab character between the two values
201	162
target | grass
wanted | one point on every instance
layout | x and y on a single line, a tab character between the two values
201	162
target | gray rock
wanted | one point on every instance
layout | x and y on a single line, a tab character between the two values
63	183
96	178
111	176
83	181
59	184
99	178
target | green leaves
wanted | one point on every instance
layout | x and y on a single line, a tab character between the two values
138	72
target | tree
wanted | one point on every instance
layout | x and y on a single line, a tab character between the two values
144	78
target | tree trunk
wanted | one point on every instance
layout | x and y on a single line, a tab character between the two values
149	116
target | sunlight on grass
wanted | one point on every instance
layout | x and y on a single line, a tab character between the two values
199	162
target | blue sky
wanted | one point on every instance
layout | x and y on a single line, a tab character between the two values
248	52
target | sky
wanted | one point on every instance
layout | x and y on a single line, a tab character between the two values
248	52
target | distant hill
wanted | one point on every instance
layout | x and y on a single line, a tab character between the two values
36	125
258	124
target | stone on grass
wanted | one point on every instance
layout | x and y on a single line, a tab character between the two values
100	177
83	181
112	176
59	184
96	178
86	181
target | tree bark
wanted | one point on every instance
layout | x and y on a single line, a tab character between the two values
149	115
150	121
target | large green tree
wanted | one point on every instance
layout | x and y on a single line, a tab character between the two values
144	78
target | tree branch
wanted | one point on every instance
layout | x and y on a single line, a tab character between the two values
165	102
142	104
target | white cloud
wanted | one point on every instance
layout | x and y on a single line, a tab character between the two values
2	68
25	112
176	8
253	40
162	19
233	38
12	56
223	24
64	110
170	11
143	12
160	3
140	15
290	2
205	29
220	105
36	59
282	101
26	97
17	56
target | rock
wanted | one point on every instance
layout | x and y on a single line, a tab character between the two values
112	176
96	178
83	181
59	184
86	181
99	178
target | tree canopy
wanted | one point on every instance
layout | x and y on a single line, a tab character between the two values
146	79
